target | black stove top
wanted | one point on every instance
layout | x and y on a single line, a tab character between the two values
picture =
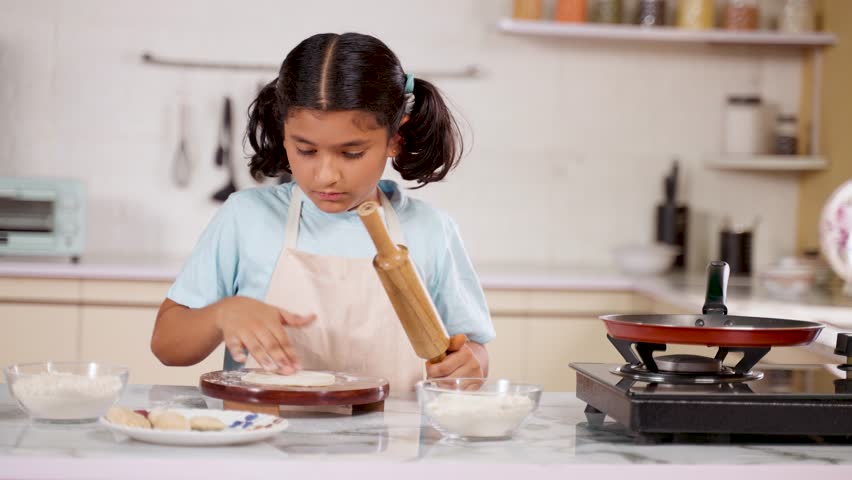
779	383
789	400
695	395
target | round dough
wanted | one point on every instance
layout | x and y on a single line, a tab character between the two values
303	378
206	424
124	416
170	421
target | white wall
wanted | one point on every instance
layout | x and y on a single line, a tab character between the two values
570	138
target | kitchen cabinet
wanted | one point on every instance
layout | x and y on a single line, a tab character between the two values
33	332
42	290
122	335
540	332
90	320
508	354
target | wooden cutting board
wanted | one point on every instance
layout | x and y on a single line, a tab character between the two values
363	394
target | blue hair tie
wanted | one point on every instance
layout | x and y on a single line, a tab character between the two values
409	83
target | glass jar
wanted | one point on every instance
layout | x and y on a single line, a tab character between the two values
786	131
741	15
607	11
527	9
744	131
571	11
696	14
652	13
797	16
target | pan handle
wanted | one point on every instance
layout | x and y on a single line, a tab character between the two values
717	287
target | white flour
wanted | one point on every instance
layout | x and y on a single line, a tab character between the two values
65	396
479	416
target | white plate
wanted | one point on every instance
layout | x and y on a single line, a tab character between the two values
240	427
835	226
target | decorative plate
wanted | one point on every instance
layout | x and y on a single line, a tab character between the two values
240	427
834	228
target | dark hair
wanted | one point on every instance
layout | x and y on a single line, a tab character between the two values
352	71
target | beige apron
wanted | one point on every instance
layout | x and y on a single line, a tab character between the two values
356	330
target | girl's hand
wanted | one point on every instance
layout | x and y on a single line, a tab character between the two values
460	361
249	324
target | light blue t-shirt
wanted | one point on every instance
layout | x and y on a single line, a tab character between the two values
239	249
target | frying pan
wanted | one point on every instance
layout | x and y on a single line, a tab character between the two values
714	327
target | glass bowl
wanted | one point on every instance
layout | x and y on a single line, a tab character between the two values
477	408
65	392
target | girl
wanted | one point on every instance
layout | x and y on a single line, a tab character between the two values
285	272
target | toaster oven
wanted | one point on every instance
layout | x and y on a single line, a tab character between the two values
42	216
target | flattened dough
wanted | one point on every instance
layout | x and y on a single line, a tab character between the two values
303	378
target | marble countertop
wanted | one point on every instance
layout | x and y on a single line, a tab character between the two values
554	443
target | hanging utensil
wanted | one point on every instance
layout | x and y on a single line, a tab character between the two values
223	153
223	148
181	164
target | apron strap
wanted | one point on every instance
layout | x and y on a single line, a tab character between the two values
294	214
392	220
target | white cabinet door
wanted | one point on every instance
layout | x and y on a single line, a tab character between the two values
554	343
35	333
122	335
508	354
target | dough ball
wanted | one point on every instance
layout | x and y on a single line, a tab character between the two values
170	421
206	424
123	416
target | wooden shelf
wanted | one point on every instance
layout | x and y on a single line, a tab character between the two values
663	34
777	163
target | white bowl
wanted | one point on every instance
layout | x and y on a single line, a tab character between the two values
790	278
65	392
477	408
643	260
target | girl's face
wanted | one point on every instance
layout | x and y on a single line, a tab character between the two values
337	158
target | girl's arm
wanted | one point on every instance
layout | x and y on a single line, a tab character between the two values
185	336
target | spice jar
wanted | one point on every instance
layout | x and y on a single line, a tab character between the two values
797	16
607	11
652	13
744	131
786	131
527	9
572	11
741	15
696	14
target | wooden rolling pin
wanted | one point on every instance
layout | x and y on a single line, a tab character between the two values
405	290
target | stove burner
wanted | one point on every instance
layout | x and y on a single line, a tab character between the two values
688	364
725	375
685	369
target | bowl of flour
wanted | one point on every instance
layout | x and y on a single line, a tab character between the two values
65	392
477	408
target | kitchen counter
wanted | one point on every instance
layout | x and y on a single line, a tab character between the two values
555	443
685	291
93	267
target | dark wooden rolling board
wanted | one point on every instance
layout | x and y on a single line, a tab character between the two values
363	394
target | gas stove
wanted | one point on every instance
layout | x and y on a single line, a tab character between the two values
658	397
